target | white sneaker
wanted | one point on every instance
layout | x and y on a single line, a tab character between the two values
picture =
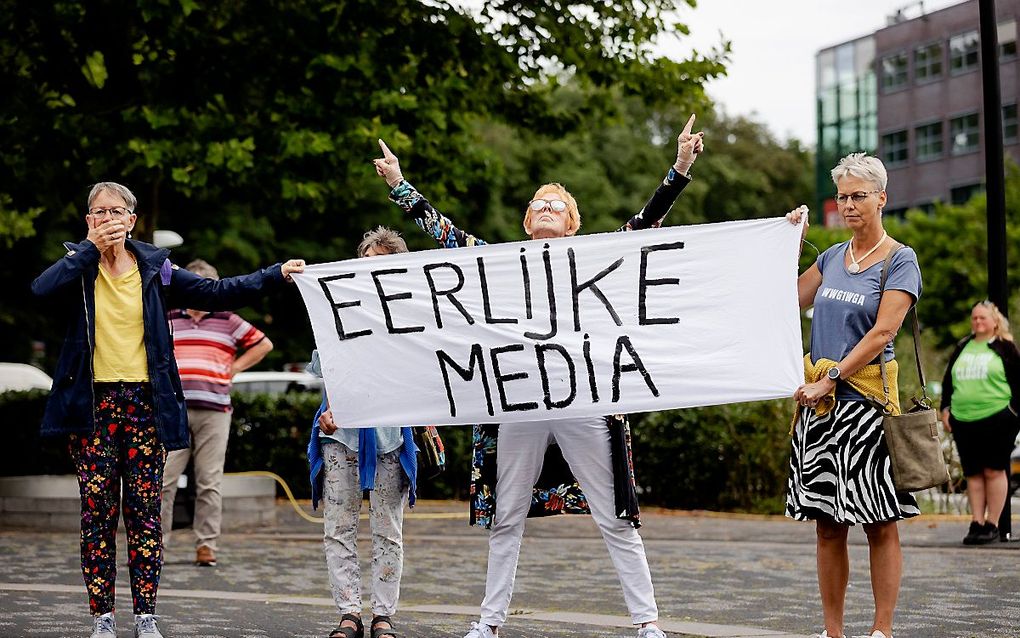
104	626
825	634
650	631
145	626
875	634
479	630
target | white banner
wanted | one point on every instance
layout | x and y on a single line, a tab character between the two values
548	329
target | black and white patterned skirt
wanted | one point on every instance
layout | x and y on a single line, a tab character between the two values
840	468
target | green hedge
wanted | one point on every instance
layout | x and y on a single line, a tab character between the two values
726	457
25	452
268	433
271	433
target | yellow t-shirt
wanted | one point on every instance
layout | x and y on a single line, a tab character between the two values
120	333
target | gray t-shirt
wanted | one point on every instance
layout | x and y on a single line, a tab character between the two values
846	305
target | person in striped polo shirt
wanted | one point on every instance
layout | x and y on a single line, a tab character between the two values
206	346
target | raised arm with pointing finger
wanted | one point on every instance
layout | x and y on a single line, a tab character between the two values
448	235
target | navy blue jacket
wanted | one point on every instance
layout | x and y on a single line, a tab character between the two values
71	281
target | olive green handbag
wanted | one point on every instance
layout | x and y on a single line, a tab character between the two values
912	437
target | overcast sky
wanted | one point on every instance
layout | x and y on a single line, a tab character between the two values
774	43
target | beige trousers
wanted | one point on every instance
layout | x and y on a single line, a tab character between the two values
341	497
210	430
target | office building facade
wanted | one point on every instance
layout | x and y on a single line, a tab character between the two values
912	94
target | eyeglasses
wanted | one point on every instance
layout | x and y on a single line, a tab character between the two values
117	212
858	197
557	205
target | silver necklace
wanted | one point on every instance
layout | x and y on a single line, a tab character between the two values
855	264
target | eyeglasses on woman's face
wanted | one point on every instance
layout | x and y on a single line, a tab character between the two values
556	205
116	212
858	197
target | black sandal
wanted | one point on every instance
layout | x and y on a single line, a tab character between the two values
348	632
379	632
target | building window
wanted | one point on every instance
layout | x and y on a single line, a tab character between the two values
928	140
926	207
963	131
961	194
963	52
1007	39
894	71
828	105
928	62
894	148
1009	124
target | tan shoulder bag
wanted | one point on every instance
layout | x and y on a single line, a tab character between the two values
912	437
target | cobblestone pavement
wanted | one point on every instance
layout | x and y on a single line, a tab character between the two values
715	575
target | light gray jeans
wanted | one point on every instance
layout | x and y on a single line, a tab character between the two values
519	456
342	496
210	430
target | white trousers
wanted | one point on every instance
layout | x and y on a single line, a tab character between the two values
210	430
341	497
585	446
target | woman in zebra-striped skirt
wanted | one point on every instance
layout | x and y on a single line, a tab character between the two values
840	473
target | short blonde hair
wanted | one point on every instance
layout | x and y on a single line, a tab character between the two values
1001	322
382	238
573	215
863	166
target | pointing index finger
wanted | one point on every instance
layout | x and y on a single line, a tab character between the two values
689	125
387	153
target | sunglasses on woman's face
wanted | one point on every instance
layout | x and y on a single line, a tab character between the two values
557	205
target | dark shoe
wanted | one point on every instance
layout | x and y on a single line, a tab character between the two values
989	534
379	632
358	631
205	557
975	530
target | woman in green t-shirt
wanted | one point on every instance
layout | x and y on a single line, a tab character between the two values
980	398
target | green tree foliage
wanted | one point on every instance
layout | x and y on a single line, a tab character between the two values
249	127
952	248
730	457
727	457
613	169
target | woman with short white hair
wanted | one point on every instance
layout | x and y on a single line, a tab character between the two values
840	473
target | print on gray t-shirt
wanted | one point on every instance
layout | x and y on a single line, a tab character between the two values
846	306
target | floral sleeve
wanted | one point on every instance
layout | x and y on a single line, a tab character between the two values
429	219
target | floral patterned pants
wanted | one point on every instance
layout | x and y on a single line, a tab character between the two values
124	448
342	498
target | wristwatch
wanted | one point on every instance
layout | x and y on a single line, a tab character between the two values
833	374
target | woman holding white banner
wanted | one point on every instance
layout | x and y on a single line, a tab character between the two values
344	463
117	399
840	473
597	476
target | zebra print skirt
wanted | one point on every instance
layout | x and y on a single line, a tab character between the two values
840	468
